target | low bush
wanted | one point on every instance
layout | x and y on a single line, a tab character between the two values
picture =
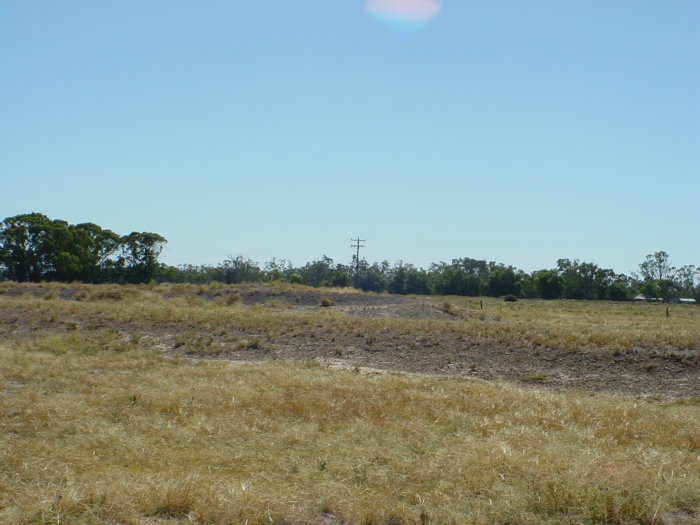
327	301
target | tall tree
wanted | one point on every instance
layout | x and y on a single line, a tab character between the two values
96	247
501	280
278	269
62	257
317	273
656	267
397	279
416	280
140	252
584	280
373	278
240	270
685	279
548	284
23	246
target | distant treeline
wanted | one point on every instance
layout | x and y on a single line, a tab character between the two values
36	248
471	277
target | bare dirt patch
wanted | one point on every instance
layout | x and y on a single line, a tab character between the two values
659	372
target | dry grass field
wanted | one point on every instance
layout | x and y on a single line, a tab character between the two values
215	405
593	324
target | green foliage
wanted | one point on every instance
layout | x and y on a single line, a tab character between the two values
685	278
36	248
278	269
318	272
463	277
407	279
548	284
238	270
140	252
584	280
24	245
656	267
373	278
663	281
340	279
96	248
668	289
577	279
618	291
501	280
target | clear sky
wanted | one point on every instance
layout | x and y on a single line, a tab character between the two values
520	132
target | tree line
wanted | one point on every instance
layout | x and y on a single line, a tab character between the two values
36	248
570	279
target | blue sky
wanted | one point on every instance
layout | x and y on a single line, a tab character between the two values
520	132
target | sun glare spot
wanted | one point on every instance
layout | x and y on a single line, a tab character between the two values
404	14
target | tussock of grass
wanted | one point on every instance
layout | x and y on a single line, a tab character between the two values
101	436
193	343
535	377
229	298
449	309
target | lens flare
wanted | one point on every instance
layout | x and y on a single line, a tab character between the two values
404	14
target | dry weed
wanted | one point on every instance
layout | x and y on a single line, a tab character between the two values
95	433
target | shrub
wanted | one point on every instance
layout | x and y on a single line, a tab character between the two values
327	301
340	279
232	297
449	309
510	298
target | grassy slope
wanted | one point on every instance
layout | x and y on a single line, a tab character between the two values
99	427
565	325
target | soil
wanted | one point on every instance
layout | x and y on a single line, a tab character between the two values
656	374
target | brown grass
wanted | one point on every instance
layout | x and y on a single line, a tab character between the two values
579	324
99	428
566	325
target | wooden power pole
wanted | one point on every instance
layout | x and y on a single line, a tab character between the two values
357	257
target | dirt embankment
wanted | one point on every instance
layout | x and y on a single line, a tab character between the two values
639	372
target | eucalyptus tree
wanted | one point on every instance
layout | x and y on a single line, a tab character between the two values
656	267
97	248
23	246
140	252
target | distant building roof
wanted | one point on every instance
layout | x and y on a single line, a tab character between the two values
642	297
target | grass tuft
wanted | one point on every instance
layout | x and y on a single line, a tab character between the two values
327	301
